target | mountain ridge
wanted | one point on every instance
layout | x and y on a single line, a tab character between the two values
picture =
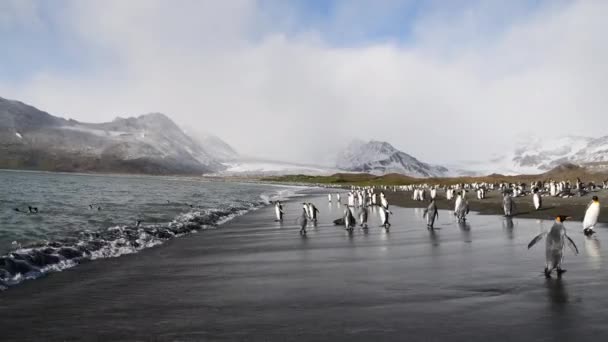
380	157
150	143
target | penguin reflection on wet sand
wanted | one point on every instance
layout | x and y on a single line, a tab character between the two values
557	239
303	220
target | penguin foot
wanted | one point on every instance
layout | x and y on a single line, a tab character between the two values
547	273
588	231
560	271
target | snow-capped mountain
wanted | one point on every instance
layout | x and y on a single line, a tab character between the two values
151	143
538	155
545	154
379	158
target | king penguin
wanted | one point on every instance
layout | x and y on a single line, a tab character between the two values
537	200
557	239
384	215
278	210
507	204
349	219
591	216
363	216
431	213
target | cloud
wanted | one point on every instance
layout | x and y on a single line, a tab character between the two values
456	83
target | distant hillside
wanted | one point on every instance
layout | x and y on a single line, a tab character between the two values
562	172
152	144
379	158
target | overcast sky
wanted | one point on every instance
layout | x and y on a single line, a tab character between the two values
296	80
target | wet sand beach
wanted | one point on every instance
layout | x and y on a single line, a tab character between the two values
253	279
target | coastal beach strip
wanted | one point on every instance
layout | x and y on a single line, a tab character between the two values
253	279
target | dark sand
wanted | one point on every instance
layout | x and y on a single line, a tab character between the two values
256	280
492	204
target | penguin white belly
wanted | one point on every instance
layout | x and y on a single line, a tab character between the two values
277	212
457	205
591	216
536	200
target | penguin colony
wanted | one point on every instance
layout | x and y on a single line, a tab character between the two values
361	200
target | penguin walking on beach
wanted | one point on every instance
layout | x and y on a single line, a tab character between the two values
313	212
278	210
537	199
507	204
383	201
384	217
591	216
338	198
306	207
431	213
557	239
349	219
329	197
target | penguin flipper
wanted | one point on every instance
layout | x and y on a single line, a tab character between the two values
536	239
425	212
572	245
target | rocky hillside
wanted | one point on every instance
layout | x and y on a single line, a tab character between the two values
151	144
377	157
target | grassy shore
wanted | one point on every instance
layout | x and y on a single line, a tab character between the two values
563	172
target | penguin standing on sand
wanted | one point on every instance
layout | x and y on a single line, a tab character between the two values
329	197
557	239
278	210
338	198
537	200
431	213
591	216
461	209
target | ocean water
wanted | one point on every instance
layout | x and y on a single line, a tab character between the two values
86	217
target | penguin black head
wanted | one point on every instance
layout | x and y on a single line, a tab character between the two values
562	218
595	199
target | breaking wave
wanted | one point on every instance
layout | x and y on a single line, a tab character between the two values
54	256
